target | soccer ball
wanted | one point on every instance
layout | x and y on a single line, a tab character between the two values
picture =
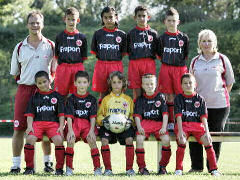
117	123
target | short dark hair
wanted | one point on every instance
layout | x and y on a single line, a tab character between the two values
171	12
34	13
71	11
82	74
120	76
41	74
107	10
140	8
187	75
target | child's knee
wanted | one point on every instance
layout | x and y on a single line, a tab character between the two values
57	140
31	139
129	140
165	140
104	141
140	139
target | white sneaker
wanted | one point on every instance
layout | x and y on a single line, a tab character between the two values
108	172
215	173
130	172
178	172
98	172
69	171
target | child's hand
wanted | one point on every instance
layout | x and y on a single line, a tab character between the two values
91	135
141	130
29	129
71	137
182	137
162	131
208	137
60	130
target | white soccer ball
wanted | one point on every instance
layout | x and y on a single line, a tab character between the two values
117	123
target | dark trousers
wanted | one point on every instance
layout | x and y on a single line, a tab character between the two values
216	122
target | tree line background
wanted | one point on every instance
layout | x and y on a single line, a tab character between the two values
221	16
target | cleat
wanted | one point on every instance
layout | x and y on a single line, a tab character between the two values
195	170
69	171
143	171
108	172
98	172
178	172
59	172
130	172
215	173
15	170
29	171
48	167
162	170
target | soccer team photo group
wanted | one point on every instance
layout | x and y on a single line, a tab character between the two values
162	93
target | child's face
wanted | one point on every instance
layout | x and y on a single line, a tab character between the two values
171	23
109	19
71	22
43	84
117	85
188	85
82	85
149	85
142	18
207	44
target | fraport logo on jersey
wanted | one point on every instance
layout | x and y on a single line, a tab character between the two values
172	50
150	113
141	45
79	43
197	104
54	100
158	103
117	110
118	39
189	113
80	112
45	108
88	104
69	49
109	46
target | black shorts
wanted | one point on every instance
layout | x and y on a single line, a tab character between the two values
113	137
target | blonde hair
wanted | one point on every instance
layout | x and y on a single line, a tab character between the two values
211	34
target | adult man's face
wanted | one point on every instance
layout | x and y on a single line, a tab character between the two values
35	24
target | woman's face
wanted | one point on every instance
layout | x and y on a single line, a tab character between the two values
207	44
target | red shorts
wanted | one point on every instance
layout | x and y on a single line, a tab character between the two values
81	129
169	79
137	68
101	73
152	127
47	128
23	95
192	128
64	80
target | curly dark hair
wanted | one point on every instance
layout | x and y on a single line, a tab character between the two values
120	76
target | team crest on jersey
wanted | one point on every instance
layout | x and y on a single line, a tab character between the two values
158	103
150	38
125	105
16	123
106	134
79	43
88	104
181	43
54	100
197	104
118	39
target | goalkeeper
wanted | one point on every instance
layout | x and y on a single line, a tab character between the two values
115	103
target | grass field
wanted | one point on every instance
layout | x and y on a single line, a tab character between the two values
229	163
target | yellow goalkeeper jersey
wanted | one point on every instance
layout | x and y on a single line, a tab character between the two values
113	104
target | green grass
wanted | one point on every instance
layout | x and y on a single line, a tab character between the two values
229	164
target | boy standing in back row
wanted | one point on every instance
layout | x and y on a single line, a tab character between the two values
142	49
173	52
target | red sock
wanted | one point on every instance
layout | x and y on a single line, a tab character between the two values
211	157
180	156
60	156
96	158
29	155
106	155
69	157
171	112
129	156
140	153
166	154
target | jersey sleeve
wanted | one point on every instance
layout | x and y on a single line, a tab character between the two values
186	47
229	75
93	110
131	109
84	49
138	108
124	44
164	107
102	112
177	106
30	111
15	70
155	44
94	44
128	43
160	47
69	109
56	48
61	108
203	109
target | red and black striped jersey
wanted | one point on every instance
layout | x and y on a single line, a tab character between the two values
109	45
45	106
142	43
151	107
83	107
71	47
191	108
173	48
